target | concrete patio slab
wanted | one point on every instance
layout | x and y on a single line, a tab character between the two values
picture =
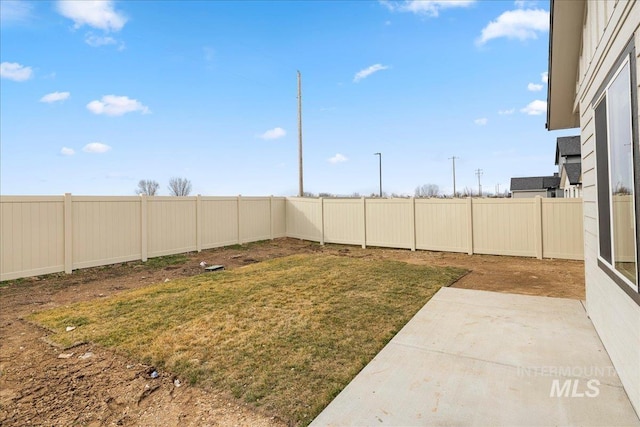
483	358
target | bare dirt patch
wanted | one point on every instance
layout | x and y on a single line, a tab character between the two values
37	387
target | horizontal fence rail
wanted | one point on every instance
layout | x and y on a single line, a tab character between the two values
41	235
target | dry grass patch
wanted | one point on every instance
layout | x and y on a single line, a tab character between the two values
286	334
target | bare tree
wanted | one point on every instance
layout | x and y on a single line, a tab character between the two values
427	190
468	192
148	187
179	186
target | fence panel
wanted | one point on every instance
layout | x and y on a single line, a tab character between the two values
171	225
304	218
442	225
31	236
255	219
623	229
562	229
389	223
219	223
504	227
106	230
343	221
40	235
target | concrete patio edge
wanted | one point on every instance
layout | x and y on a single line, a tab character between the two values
472	357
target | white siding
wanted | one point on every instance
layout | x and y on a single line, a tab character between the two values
608	28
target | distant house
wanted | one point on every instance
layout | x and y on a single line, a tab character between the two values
532	186
593	85
569	165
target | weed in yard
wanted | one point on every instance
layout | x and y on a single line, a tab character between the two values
165	261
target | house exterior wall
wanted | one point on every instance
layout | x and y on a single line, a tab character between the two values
608	27
569	191
528	194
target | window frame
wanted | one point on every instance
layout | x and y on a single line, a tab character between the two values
627	57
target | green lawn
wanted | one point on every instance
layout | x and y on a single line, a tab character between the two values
286	334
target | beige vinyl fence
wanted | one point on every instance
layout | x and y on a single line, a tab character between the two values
40	235
537	227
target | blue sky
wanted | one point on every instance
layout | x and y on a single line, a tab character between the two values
96	95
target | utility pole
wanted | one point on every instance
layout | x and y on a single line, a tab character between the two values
454	174
379	170
497	189
300	184
479	173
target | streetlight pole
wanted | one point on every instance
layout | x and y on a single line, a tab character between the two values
379	170
454	174
479	174
300	184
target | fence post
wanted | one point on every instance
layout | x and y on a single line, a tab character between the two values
239	219
470	224
322	221
271	217
537	225
199	223
68	233
413	223
144	218
364	223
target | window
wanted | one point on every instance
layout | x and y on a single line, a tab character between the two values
617	214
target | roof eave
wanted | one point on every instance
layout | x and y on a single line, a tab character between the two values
565	36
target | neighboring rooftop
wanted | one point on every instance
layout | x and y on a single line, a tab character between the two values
567	146
535	183
573	171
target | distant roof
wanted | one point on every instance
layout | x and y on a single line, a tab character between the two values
573	171
567	146
535	183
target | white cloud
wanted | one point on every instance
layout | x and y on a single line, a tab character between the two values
55	97
516	24
507	112
425	7
67	151
14	71
96	147
363	74
338	158
274	133
521	4
113	105
97	41
544	77
15	11
98	14
534	87
481	121
535	108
